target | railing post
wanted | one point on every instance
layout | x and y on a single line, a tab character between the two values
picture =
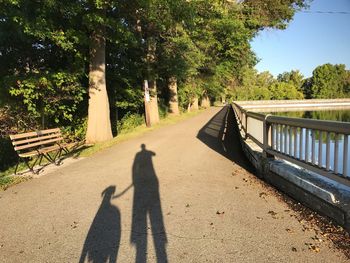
246	125
267	137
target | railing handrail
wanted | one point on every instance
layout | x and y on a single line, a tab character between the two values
322	125
305	101
280	138
256	115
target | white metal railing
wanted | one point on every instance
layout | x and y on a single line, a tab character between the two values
319	146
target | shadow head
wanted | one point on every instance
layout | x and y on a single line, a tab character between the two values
108	192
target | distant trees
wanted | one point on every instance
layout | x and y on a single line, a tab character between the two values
327	82
330	81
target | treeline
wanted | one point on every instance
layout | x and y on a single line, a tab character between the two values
327	82
87	65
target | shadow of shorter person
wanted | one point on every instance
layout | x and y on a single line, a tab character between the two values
102	241
146	202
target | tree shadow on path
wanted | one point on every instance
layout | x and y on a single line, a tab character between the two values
221	134
146	203
102	241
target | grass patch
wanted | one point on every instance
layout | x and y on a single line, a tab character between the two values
7	179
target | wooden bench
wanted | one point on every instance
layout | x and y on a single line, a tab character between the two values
39	145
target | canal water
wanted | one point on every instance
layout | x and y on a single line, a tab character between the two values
333	115
327	115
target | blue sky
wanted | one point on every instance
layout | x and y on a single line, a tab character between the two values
311	39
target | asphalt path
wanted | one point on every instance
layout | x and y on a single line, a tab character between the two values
182	193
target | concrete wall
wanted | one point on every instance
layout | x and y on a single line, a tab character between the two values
294	105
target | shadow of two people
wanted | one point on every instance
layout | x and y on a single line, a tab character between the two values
103	239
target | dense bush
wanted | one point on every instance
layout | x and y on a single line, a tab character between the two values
129	122
163	109
8	156
75	131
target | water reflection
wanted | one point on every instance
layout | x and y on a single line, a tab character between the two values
330	115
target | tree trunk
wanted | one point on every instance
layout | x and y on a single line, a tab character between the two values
151	106
154	113
205	102
99	125
189	107
223	99
173	101
194	105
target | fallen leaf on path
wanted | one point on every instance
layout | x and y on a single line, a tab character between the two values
273	213
262	194
74	225
313	247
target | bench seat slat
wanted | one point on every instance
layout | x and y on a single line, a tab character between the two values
36	139
37	144
49	149
28	154
32	134
68	144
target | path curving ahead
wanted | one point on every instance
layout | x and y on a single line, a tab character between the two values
178	194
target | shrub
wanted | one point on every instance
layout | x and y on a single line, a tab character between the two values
130	121
163	109
8	156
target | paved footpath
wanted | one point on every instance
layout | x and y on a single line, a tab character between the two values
177	194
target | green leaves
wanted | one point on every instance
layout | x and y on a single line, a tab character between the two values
54	96
264	86
330	81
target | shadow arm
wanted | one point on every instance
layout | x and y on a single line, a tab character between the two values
123	192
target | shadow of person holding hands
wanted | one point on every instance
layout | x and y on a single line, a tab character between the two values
102	241
146	203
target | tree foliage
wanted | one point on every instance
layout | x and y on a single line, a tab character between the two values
330	81
204	45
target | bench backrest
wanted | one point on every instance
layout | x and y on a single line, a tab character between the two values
36	139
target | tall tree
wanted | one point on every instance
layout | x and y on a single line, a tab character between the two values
294	77
99	124
330	81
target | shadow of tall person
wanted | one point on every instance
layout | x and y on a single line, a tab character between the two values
147	203
102	241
